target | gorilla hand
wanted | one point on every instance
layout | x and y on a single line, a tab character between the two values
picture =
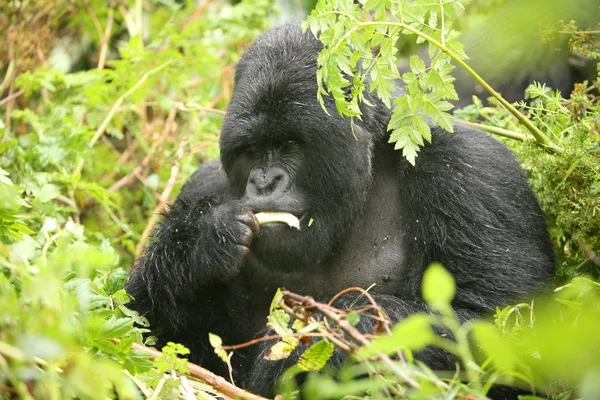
205	241
233	227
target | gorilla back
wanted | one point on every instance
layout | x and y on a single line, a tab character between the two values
366	215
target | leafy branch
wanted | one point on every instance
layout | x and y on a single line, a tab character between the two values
349	36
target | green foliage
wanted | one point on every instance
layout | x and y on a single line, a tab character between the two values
439	288
348	67
87	156
169	359
552	349
316	356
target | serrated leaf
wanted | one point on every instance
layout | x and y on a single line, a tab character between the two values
416	64
139	320
47	192
137	361
316	356
279	321
409	151
116	281
433	20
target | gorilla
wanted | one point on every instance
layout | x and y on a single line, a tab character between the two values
366	217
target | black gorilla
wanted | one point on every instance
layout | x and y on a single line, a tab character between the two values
374	218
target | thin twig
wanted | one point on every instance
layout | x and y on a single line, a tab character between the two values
198	12
10	97
187	106
94	18
67	201
9	109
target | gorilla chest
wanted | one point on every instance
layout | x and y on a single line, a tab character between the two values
376	264
371	252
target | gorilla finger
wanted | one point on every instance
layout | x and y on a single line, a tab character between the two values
244	236
243	252
249	219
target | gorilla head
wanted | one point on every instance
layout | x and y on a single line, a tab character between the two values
282	153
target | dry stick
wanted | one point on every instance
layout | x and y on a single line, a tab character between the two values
197	13
339	342
353	332
9	75
266	339
332	336
129	23
10	97
217	382
106	39
187	106
115	107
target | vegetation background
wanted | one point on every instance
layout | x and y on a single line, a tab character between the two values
108	106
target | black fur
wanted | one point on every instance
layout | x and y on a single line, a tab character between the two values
376	218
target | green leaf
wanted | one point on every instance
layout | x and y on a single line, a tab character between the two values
413	333
316	356
498	348
115	328
215	340
416	64
279	321
439	287
353	318
115	281
283	348
47	192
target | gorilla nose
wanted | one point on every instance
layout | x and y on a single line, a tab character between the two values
268	182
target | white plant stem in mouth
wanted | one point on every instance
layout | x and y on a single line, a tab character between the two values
267	217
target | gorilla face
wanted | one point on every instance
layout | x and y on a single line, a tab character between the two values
282	152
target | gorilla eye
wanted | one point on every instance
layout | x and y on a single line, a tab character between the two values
251	151
289	145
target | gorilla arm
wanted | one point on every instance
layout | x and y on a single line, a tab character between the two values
180	282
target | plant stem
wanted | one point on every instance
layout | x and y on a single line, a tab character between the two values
495	130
